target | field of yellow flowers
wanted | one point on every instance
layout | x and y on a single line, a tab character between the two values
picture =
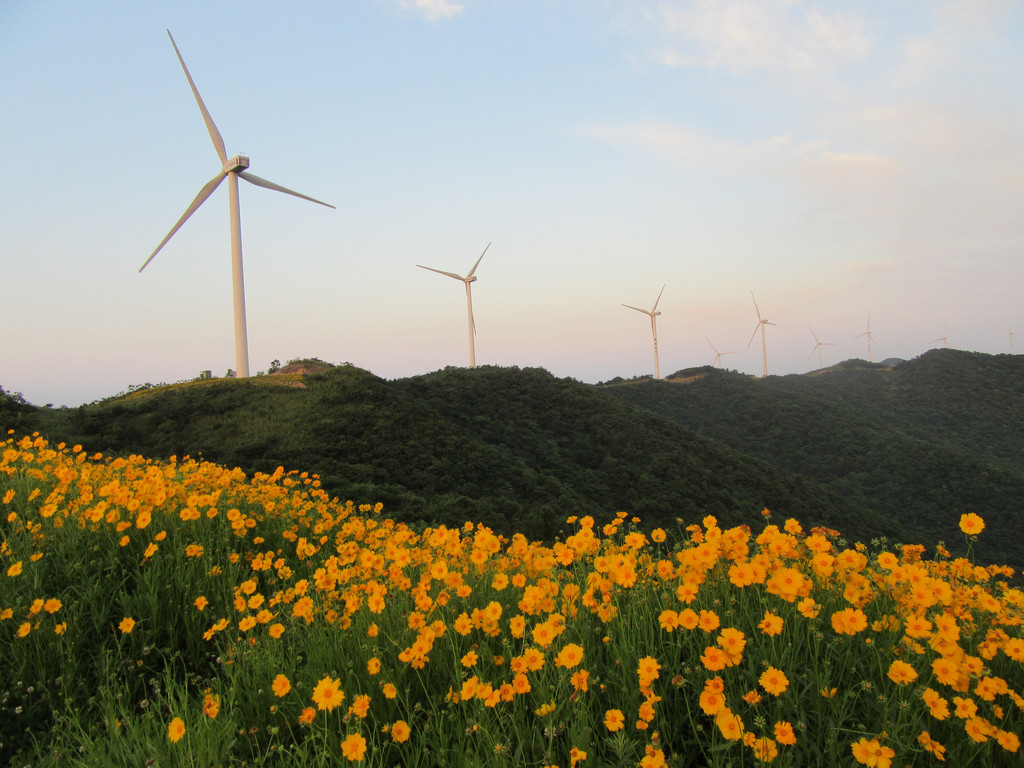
178	613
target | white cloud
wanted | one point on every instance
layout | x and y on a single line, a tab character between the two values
432	9
756	34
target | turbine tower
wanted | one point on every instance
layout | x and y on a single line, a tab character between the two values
654	327
232	169
1010	334
817	347
468	280
718	355
761	323
870	338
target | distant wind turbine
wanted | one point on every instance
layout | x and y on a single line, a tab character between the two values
943	339
468	280
232	169
817	347
718	355
1010	334
654	327
761	323
868	334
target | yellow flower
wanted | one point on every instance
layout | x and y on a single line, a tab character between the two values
774	681
211	705
614	720
126	626
275	630
176	730
24	629
15	570
373	666
281	686
354	747
570	656
328	694
771	624
400	731
576	756
545	709
901	673
971	524
872	753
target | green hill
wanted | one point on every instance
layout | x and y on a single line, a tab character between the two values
518	450
868	449
919	443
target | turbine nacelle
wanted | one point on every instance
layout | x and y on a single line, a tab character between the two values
236	164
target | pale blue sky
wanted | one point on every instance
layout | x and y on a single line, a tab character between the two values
841	160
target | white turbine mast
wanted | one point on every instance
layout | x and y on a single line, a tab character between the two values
232	169
870	337
818	344
761	323
1010	334
718	355
654	327
468	280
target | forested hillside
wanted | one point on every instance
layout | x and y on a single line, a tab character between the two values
518	450
867	449
920	442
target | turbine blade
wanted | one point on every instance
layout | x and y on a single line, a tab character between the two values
637	309
658	299
755	308
442	272
218	140
712	345
204	193
478	262
753	335
252	178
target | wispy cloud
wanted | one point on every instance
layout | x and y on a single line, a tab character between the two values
432	9
741	35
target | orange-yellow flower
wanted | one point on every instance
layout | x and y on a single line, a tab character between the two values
570	656
784	733
281	686
127	625
400	731
328	694
175	730
614	720
901	673
971	524
354	747
872	753
849	621
15	570
774	681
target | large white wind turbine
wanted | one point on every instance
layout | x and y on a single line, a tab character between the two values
945	338
654	327
818	344
232	169
870	337
761	323
468	280
718	355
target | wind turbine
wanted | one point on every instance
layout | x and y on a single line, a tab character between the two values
468	280
761	323
718	355
232	169
654	327
943	339
817	347
868	334
1010	334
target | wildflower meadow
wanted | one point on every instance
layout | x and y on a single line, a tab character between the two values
172	612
